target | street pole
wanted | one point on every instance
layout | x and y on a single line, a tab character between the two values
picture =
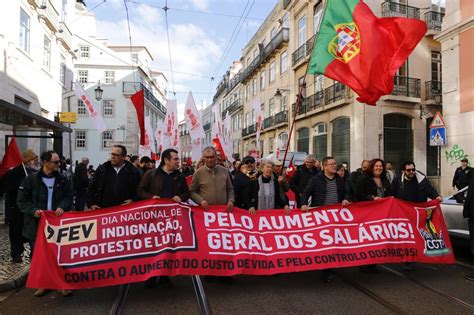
69	125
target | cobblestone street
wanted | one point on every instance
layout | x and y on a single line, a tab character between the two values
8	269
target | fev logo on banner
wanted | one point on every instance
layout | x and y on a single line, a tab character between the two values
431	232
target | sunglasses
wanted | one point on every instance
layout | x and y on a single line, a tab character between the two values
248	162
409	170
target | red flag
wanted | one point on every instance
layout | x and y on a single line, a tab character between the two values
217	144
290	171
12	157
361	50
138	101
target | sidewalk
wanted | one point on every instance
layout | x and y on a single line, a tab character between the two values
11	275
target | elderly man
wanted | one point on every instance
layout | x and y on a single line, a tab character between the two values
302	176
115	182
81	182
44	190
211	184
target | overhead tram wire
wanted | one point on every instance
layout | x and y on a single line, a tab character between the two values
88	11
130	44
169	45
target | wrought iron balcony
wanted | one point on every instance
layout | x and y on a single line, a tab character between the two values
233	83
281	37
406	86
249	130
65	36
335	93
302	52
281	117
221	88
133	87
394	9
432	89
235	106
332	94
49	14
268	122
434	20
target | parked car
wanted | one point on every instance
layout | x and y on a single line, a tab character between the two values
456	224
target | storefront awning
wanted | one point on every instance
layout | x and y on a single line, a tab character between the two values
24	120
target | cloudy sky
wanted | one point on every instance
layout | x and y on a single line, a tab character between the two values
200	33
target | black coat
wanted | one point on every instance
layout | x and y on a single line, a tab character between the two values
108	189
468	210
424	188
80	178
12	181
300	180
367	189
316	189
353	184
244	191
151	184
461	177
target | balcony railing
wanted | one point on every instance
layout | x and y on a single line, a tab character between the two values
406	86
332	94
434	20
133	87
221	88
249	130
286	3
281	117
235	105
303	51
49	14
432	89
207	126
235	80
281	37
65	35
393	9
268	122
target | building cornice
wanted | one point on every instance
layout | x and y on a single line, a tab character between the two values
454	30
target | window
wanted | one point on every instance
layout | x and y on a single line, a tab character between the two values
81	139
254	87
239	121
320	141
272	71
47	53
272	33
436	66
84	51
63	10
303	140
397	139
318	83
81	108
135	58
109	77
302	86
271	142
262	80
283	62
107	139
254	117
24	31
341	139
284	20
283	101
271	106
255	53
83	76
284	139
301	31
62	70
247	119
318	13
108	108
247	92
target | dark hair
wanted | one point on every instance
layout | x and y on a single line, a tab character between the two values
327	158
370	169
166	154
408	163
134	158
122	147
340	166
47	155
145	159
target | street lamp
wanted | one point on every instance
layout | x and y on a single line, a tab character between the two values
438	98
278	92
98	92
425	112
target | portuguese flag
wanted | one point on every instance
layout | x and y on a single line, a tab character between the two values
357	48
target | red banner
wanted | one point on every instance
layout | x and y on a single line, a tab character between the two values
158	237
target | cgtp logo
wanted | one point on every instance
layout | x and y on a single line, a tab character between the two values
431	231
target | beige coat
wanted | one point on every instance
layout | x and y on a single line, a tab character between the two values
212	185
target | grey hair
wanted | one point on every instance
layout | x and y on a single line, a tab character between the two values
267	161
310	157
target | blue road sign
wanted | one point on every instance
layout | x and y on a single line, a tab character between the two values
438	137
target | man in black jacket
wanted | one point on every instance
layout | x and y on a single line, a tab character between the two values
326	188
354	179
302	176
81	182
166	181
468	213
461	178
413	185
45	190
115	182
245	184
13	215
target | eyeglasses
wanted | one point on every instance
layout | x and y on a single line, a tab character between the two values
410	170
56	162
115	154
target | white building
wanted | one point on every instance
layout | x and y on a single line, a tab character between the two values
120	71
36	56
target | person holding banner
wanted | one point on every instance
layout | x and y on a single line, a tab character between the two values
211	184
166	181
281	176
374	184
326	188
302	177
245	184
45	190
267	195
115	182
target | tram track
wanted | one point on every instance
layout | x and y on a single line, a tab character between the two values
120	300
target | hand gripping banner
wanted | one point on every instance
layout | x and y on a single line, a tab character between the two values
159	237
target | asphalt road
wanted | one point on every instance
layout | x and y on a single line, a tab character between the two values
433	289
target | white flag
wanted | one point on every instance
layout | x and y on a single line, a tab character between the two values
95	115
228	144
193	119
257	106
149	147
171	134
159	134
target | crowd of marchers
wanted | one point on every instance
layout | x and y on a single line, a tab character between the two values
55	185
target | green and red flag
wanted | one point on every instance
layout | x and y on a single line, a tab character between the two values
361	50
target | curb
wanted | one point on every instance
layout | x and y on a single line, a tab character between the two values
18	280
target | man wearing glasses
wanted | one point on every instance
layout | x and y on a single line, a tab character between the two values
413	186
45	190
115	182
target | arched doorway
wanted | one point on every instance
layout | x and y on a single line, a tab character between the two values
397	139
341	140
303	140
